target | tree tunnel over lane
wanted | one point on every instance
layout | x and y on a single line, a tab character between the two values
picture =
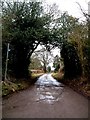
27	25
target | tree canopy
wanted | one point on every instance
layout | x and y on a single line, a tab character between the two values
25	25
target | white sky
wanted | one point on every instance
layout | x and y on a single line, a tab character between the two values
71	6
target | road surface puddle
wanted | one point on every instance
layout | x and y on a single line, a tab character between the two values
48	89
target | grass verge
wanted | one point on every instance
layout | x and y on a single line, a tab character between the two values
80	85
12	86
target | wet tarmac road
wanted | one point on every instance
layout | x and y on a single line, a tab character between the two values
46	99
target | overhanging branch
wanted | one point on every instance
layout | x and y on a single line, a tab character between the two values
31	51
85	14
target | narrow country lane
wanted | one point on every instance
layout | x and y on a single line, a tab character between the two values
46	99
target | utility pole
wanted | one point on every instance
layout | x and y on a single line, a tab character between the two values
6	61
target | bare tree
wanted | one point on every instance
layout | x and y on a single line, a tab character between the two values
86	15
44	56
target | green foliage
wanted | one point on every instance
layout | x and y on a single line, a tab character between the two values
69	29
56	63
11	87
23	27
17	85
79	39
88	51
72	65
49	68
63	28
8	87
